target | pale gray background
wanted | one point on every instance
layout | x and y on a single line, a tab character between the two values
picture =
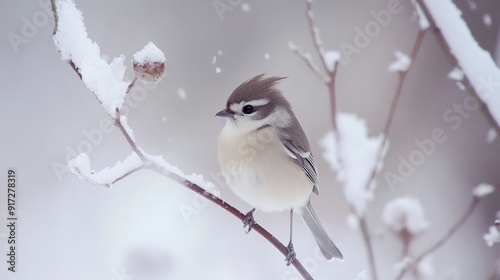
69	229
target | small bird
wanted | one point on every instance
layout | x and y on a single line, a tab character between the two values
265	158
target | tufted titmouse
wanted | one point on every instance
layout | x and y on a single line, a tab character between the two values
265	158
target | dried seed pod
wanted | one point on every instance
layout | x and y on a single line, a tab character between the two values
149	64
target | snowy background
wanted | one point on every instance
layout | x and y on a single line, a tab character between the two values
151	228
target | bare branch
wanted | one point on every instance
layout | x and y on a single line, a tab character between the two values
495	273
128	173
395	99
132	84
369	247
440	242
314	31
399	88
387	127
127	136
330	83
331	73
333	101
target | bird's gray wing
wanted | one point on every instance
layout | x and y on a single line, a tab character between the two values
304	159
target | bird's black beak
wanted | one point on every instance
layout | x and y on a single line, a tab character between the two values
226	113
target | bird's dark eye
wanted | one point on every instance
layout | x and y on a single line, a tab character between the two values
248	109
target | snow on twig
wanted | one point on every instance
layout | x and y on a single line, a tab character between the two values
405	214
401	64
81	166
105	80
492	237
483	190
353	156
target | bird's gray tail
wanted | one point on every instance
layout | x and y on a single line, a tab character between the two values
325	244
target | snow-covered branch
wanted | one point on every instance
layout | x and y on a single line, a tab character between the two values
394	103
81	166
481	74
107	82
478	193
405	217
353	156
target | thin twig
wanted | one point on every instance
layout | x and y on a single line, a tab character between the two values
127	136
192	186
128	173
369	247
399	89
440	242
495	273
330	83
333	102
329	79
407	239
308	60
392	110
449	54
380	153
402	79
314	31
132	84
387	127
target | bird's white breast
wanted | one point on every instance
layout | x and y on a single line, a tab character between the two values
258	169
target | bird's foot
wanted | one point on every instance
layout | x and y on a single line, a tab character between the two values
291	255
249	221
